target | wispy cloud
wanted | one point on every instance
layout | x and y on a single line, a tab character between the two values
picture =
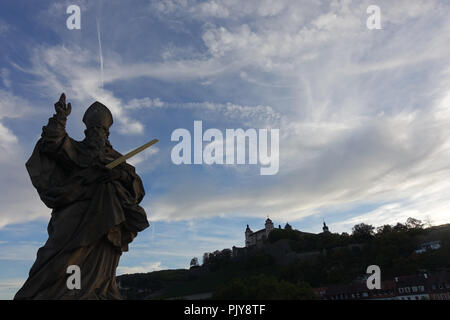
8	288
4	27
20	202
143	268
363	115
19	252
4	74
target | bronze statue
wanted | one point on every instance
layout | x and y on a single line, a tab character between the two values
96	211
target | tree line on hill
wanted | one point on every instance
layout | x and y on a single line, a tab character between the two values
340	259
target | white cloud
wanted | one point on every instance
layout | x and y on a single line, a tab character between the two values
73	71
144	103
9	287
19	200
361	129
4	27
247	115
366	119
12	106
143	268
143	156
19	252
4	73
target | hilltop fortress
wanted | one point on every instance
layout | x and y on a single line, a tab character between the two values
255	240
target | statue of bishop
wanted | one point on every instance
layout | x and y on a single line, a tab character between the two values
95	210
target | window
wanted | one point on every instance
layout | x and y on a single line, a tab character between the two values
400	290
433	287
414	289
421	288
408	289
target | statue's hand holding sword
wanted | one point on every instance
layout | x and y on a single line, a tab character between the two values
130	154
107	172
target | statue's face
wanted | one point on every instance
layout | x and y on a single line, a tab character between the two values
97	132
96	136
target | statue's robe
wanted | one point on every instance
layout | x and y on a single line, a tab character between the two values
91	222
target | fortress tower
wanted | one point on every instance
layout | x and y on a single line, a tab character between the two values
257	238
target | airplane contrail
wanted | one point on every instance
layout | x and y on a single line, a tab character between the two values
100	52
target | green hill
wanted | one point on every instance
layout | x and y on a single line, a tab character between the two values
291	262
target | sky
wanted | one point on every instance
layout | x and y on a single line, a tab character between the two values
363	114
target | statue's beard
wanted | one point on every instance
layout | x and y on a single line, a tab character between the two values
96	139
96	142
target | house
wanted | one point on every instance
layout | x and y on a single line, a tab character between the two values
424	286
358	291
432	245
413	287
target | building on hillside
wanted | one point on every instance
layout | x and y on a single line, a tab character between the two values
424	286
439	285
257	238
325	228
411	287
357	291
432	245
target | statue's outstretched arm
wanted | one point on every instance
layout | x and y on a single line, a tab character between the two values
55	131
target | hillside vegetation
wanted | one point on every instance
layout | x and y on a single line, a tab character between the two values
334	258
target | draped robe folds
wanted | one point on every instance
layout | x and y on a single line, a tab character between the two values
91	223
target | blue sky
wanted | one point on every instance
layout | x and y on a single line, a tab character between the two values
363	114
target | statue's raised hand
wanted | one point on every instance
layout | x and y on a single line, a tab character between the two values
61	108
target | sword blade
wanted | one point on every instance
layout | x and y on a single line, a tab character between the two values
130	154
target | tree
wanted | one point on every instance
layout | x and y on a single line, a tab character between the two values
362	231
384	229
412	223
400	227
194	262
428	222
205	258
264	287
226	254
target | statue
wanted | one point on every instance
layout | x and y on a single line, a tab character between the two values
96	211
